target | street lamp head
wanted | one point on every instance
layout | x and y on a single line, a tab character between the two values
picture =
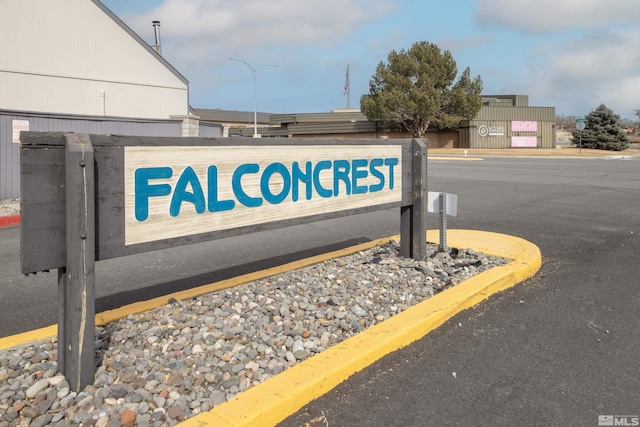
254	69
255	105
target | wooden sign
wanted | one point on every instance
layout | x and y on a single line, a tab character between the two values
86	198
177	191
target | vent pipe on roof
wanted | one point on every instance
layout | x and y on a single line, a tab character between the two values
156	30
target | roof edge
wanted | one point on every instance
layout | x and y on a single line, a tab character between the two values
139	39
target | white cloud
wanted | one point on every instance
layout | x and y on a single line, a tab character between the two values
305	39
311	41
199	36
600	55
544	16
260	23
577	75
621	97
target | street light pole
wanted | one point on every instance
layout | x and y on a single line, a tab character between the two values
255	103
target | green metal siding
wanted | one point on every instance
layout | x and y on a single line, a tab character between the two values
333	117
521	101
316	129
498	113
506	100
226	116
470	136
538	114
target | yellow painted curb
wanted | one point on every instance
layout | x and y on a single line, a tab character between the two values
27	337
274	400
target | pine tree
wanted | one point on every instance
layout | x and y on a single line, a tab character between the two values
418	87
603	131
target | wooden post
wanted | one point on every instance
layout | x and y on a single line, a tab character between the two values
405	231
76	281
413	219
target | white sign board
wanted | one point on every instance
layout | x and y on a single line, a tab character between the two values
524	141
524	126
484	130
17	127
433	203
178	191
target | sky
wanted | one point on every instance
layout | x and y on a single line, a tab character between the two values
569	54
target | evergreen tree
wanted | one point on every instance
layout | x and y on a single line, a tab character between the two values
603	131
417	88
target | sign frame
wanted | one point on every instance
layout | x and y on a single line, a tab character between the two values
73	205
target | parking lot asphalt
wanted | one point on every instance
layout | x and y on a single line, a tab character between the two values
589	271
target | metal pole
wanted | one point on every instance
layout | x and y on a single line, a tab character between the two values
255	106
156	30
581	142
443	221
348	83
255	102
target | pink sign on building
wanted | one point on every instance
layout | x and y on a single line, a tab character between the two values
524	141
520	126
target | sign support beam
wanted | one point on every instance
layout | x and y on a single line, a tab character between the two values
76	280
413	219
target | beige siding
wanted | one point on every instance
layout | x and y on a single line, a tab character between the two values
61	56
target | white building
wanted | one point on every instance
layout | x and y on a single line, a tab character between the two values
74	66
76	57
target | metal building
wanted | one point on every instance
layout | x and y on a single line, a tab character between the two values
12	122
507	121
504	121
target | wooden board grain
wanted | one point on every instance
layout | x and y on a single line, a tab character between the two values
230	187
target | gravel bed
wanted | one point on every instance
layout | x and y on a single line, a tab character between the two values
163	366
